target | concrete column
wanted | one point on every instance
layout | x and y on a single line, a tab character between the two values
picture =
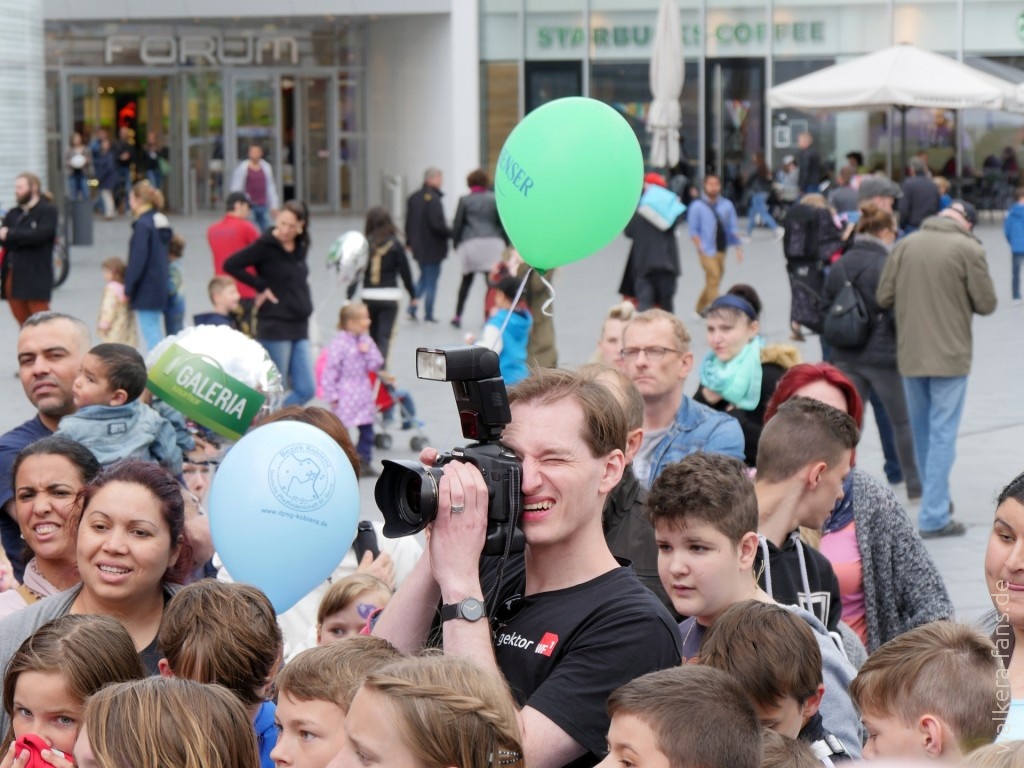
23	89
465	80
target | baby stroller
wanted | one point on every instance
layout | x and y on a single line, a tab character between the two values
388	399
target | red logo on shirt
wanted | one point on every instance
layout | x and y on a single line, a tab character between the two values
547	644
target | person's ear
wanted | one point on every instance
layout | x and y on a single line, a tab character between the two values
687	364
165	668
614	466
755	328
634	438
814	472
748	550
120	397
932	734
319	631
811	704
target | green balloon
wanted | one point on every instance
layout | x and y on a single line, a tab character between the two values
568	180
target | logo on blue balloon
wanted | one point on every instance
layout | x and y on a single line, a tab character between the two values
301	477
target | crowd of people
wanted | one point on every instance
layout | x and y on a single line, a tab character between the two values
709	578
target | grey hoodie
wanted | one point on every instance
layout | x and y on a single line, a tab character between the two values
837	711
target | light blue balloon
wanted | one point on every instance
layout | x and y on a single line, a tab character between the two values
284	507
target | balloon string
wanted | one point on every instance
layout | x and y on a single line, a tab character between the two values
546	307
515	302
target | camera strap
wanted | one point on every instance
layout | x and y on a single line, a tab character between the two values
515	507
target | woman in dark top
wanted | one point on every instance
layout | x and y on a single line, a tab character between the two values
387	265
872	367
739	374
283	300
477	235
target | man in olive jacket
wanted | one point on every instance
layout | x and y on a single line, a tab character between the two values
937	279
427	235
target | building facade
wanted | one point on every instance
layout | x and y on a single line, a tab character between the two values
352	99
735	50
349	100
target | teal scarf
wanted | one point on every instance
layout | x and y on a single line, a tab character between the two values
738	381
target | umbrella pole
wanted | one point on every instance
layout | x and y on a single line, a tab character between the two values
892	140
958	149
903	141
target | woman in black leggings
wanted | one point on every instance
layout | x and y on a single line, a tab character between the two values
477	235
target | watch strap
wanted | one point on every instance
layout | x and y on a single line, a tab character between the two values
457	610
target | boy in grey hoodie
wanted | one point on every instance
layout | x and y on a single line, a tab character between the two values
704	512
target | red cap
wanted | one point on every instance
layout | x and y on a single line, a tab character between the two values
655	178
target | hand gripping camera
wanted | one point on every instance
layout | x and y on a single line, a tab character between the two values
406	492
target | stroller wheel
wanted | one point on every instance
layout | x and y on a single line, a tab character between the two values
418	443
382	441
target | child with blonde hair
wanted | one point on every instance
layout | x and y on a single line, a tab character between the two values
347	606
315	692
351	356
116	323
434	711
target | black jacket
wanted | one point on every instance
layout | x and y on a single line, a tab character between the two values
920	200
29	249
863	264
809	162
630	535
287	275
386	266
652	250
426	231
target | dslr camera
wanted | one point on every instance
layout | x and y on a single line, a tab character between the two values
407	491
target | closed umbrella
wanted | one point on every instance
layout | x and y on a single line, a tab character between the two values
666	79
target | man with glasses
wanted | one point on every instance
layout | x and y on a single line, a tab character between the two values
656	355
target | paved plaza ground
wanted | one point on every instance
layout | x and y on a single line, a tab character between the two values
991	433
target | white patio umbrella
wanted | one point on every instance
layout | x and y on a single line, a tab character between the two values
900	76
666	79
903	77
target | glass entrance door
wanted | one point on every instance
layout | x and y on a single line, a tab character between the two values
139	110
255	116
306	145
735	120
204	107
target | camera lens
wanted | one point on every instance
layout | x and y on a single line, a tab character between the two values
406	494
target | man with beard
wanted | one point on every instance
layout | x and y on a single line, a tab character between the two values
27	236
51	346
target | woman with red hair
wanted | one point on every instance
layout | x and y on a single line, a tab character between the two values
888	581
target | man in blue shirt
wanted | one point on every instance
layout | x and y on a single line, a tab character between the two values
656	356
713	228
51	346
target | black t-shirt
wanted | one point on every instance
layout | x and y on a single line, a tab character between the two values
563	652
787	583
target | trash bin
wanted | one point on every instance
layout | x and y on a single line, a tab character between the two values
81	222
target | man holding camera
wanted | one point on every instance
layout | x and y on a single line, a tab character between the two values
570	624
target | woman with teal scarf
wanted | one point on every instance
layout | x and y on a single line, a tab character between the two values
739	374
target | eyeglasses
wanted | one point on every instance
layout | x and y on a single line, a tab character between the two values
654	354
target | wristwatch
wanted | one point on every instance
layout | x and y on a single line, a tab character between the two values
469	609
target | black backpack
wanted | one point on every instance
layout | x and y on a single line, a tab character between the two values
800	241
847	321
